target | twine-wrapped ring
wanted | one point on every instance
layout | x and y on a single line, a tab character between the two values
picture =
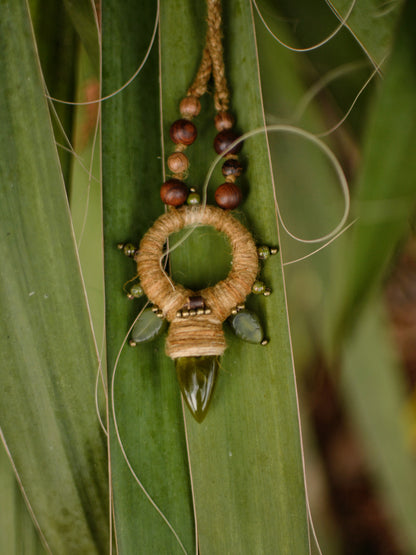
200	335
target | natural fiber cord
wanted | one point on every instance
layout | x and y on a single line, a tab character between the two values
212	61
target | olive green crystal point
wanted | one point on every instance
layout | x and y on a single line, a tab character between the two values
196	377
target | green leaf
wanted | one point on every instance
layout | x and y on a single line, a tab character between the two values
47	409
245	456
372	24
84	20
146	395
375	395
57	43
17	531
385	192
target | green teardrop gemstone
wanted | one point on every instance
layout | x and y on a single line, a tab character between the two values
147	327
197	377
246	325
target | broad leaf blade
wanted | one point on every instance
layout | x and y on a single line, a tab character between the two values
47	410
17	531
245	456
385	195
146	395
375	395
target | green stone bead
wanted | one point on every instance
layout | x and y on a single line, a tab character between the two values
246	325
193	199
263	252
136	291
197	377
258	287
147	327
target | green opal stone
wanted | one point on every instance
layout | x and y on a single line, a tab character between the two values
197	377
246	325
147	327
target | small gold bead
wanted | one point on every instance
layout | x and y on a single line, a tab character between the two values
200	311
207	311
264	342
234	311
130	296
274	250
185	313
241	307
159	314
267	292
132	343
179	314
189	107
155	308
192	312
120	246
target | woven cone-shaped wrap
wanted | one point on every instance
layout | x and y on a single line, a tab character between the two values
201	334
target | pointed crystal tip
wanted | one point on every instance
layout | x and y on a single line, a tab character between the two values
196	377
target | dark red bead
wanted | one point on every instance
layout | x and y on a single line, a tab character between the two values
174	192
223	140
228	196
183	131
232	167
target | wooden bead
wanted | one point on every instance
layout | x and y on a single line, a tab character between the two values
232	167
223	121
174	192
189	107
183	131
228	196
178	162
223	140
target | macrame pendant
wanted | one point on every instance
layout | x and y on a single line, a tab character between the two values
195	339
196	317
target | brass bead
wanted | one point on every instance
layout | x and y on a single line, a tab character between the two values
264	342
223	121
189	107
179	314
178	162
132	343
192	312
267	292
155	308
185	313
207	311
200	311
274	250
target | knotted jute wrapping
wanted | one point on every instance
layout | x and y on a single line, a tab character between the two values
199	335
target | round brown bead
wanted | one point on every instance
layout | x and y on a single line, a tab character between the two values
223	140
178	162
174	192
223	121
183	131
228	196
189	107
232	167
